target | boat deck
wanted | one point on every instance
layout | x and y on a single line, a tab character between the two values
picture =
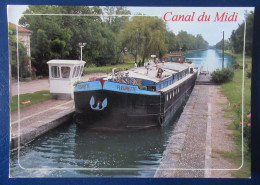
149	72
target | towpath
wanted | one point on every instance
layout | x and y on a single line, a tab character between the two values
200	134
34	120
40	84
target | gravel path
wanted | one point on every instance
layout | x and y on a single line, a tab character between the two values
221	137
198	137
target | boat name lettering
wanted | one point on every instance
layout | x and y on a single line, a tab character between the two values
83	86
125	88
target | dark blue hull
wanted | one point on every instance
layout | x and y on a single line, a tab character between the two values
119	106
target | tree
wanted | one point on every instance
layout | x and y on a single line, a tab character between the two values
169	40
200	42
237	36
185	41
227	45
58	36
116	23
23	58
144	36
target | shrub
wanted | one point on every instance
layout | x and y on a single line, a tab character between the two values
249	74
237	66
222	76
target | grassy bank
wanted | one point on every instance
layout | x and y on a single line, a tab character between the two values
34	98
108	68
233	91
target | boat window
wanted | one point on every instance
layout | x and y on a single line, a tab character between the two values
77	73
167	97
65	72
74	71
81	70
151	88
55	72
173	93
174	59
170	95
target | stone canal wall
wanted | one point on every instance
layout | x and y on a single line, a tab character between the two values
187	145
38	119
198	137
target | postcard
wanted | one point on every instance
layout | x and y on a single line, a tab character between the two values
124	91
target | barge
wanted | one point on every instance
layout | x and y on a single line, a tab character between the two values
137	98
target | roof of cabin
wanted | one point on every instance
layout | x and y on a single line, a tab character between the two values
68	62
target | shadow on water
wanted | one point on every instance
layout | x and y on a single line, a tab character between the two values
68	147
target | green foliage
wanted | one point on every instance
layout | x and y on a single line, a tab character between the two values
116	23
236	40
227	45
140	86
23	58
77	82
184	41
222	76
144	36
108	68
110	40
237	66
233	91
34	98
58	36
248	74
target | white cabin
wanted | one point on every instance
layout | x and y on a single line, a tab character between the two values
62	76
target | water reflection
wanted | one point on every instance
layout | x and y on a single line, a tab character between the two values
210	59
72	147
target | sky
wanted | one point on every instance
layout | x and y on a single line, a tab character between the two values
210	30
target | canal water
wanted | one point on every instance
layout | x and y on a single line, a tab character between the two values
210	59
69	151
